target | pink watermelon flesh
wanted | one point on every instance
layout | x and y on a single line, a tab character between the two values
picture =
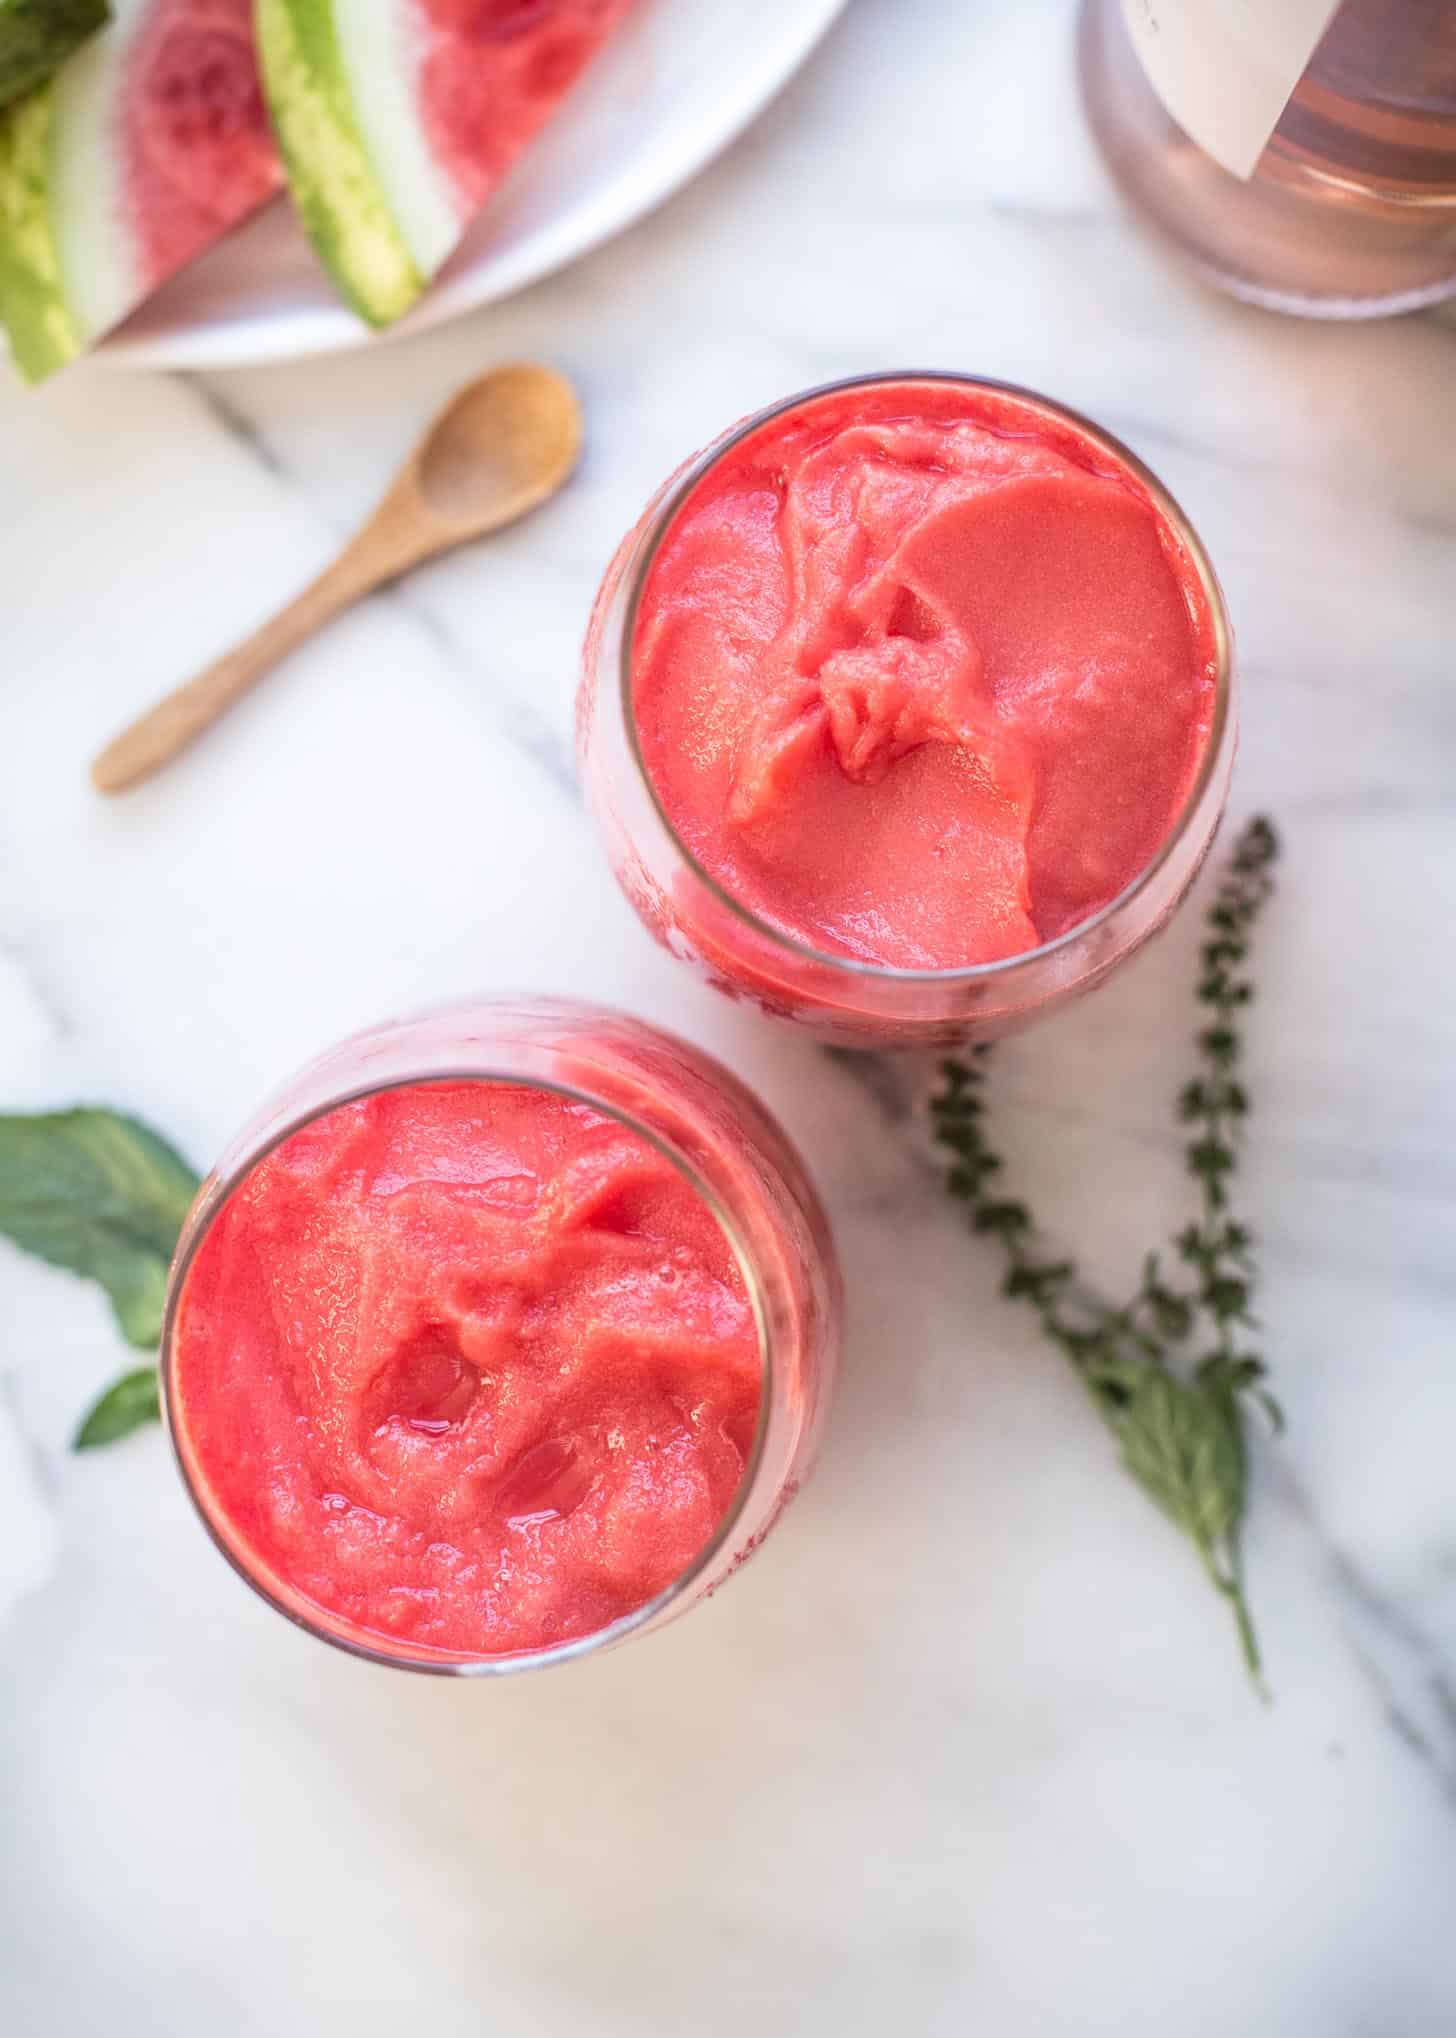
198	153
494	72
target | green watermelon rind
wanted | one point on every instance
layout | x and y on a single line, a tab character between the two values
340	199
33	305
36	37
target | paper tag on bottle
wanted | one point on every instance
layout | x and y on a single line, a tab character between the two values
1225	68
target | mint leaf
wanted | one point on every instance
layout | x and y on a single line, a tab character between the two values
1185	1451
101	1195
129	1402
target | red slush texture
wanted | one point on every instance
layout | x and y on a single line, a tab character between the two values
469	1367
922	677
492	74
197	151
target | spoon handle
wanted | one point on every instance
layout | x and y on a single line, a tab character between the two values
179	719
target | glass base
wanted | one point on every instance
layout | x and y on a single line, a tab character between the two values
1286	239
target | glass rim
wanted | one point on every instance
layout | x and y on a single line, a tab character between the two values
648	544
213	1197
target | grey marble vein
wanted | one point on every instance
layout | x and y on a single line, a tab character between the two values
526	731
240	428
1412	1675
881	1078
21	955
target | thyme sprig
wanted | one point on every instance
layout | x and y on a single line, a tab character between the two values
1171	1372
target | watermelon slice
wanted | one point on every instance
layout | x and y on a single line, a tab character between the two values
36	37
145	148
399	118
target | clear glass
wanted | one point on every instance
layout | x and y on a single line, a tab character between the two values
726	1147
839	998
1351	211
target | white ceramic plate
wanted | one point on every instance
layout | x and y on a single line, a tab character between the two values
676	84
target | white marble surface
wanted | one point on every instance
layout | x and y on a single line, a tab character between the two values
967	1750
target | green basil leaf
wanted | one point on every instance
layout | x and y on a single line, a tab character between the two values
1184	1449
102	1195
132	1400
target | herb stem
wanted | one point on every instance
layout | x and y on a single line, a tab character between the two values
1180	1425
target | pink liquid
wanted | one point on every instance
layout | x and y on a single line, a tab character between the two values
1351	211
467	1368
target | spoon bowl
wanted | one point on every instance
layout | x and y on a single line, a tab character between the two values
499	448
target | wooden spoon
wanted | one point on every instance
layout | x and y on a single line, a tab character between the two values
501	447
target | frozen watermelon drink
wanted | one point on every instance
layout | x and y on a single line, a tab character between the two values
907	708
504	1333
